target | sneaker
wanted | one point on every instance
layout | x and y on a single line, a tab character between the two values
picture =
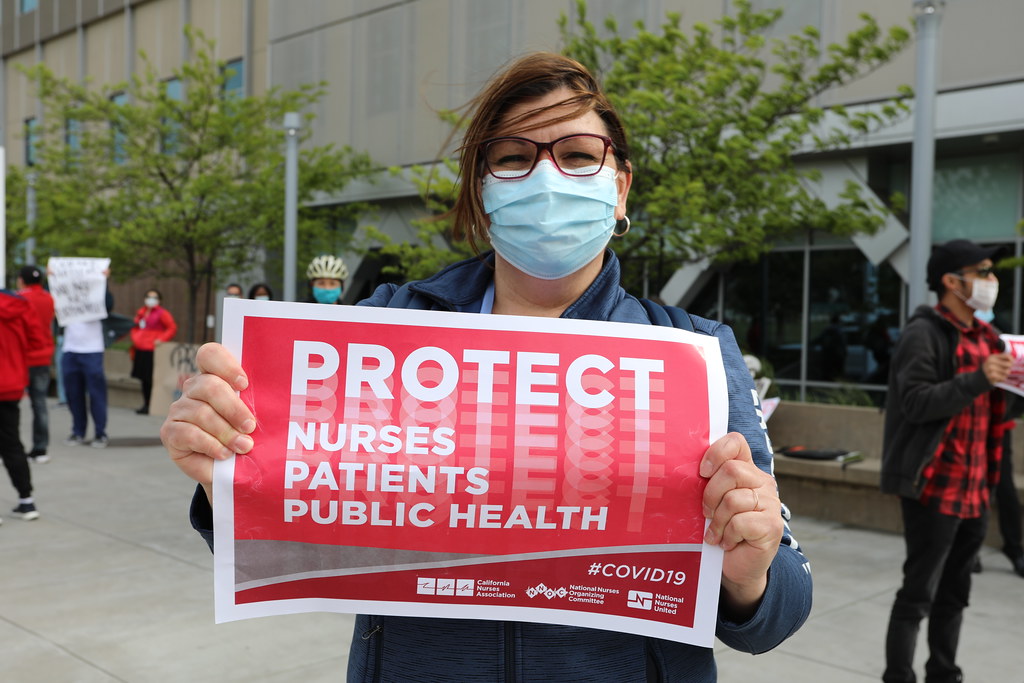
100	442
142	410
26	511
38	455
74	440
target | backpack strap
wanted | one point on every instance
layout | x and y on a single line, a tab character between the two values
667	316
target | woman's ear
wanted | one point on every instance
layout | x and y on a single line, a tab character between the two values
623	179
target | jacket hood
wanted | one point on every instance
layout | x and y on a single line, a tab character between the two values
12	305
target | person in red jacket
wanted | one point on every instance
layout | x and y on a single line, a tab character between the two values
153	325
39	357
18	334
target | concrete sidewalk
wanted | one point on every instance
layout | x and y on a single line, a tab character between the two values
111	584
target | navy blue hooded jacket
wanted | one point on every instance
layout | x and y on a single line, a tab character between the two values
404	649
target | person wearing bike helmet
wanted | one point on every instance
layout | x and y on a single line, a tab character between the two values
326	274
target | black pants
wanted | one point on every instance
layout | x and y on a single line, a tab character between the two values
936	585
1008	504
11	449
142	369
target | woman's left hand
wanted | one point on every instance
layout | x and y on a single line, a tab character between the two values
746	521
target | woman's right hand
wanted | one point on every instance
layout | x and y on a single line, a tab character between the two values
209	421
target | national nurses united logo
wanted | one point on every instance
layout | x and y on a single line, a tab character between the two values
640	600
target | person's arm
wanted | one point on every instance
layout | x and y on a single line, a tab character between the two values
925	396
170	327
766	582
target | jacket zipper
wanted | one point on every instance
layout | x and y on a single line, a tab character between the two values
377	634
510	653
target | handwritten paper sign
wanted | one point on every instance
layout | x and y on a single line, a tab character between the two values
79	288
470	466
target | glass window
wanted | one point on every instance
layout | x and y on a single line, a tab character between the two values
26	6
31	141
853	318
975	198
763	307
175	92
120	156
234	79
72	134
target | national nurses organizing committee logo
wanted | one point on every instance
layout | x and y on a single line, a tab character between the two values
549	593
640	600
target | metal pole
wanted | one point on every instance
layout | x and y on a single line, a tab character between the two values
923	158
3	217
292	122
30	218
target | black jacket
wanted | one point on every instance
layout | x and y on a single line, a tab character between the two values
925	393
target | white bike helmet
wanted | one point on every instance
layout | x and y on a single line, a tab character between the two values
327	266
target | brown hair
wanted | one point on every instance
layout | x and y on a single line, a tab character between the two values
527	78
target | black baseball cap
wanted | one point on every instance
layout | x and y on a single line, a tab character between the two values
954	255
30	275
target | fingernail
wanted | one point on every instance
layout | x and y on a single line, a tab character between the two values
705	468
241	383
707	512
242	444
709	536
248	426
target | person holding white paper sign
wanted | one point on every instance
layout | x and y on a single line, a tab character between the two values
545	176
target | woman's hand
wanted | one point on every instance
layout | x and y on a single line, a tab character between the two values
746	522
209	421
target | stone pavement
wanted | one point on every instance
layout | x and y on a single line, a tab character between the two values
111	584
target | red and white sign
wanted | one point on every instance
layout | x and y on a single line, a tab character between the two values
1015	347
471	466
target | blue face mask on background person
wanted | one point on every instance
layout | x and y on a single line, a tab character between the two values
327	296
547	224
986	316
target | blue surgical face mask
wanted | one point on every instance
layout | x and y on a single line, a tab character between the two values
550	225
262	297
327	296
987	316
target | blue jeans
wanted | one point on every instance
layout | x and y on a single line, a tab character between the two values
38	387
83	373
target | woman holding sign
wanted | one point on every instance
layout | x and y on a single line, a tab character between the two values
545	178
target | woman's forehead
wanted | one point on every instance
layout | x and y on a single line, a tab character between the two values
543	125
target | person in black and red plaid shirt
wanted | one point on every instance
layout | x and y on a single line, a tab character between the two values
941	453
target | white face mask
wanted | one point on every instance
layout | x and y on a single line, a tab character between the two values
152	302
983	294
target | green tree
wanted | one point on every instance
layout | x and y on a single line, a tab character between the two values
435	246
176	177
17	224
715	118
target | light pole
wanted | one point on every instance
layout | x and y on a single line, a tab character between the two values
292	123
928	16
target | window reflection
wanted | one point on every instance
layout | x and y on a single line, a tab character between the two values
853	319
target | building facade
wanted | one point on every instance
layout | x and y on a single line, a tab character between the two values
823	311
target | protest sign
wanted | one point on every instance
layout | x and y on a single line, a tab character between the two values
79	288
1015	347
473	466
